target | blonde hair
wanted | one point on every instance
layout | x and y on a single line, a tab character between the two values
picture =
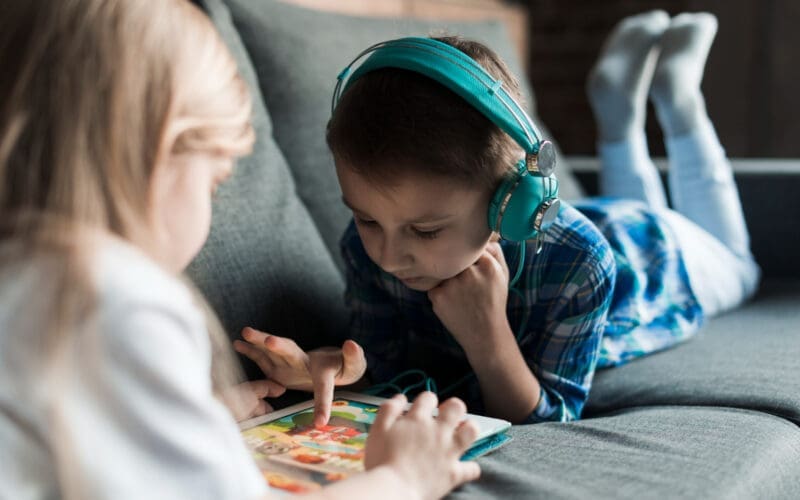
94	94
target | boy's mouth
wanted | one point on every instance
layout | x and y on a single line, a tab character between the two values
420	283
410	280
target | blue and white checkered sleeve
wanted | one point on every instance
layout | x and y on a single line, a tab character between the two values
564	356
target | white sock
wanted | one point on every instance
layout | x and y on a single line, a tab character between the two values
675	89
618	82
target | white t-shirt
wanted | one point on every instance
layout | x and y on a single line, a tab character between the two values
131	414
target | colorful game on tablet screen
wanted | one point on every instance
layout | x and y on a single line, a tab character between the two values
296	456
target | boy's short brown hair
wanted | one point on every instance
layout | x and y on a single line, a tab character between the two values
394	121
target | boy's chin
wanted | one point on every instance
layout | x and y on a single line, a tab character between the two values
422	284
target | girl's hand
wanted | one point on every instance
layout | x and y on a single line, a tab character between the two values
423	451
472	304
320	370
246	400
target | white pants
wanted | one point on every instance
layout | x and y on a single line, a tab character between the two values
706	218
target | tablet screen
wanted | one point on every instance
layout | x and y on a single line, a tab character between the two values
296	456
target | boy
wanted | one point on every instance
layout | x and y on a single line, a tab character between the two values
607	281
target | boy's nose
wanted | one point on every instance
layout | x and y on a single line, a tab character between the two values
393	256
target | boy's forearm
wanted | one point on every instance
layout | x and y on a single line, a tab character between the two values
509	389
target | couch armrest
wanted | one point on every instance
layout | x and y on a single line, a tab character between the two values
770	193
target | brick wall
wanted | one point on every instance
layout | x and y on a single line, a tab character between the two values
750	83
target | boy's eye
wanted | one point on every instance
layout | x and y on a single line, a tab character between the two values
429	235
365	222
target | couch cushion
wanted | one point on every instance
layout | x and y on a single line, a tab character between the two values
659	452
297	54
265	264
745	359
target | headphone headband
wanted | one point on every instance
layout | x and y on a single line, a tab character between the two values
470	80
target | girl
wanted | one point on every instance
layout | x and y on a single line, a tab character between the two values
612	279
118	121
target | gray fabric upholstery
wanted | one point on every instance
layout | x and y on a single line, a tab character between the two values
749	358
264	264
297	54
658	452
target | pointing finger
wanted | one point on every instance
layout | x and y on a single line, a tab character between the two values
323	395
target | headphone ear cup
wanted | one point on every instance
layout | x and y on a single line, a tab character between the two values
499	199
523	205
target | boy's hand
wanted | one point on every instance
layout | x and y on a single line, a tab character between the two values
280	358
329	367
320	370
472	304
398	441
246	400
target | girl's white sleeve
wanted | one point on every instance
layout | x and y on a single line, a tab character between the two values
136	417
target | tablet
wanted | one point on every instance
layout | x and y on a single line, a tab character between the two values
295	456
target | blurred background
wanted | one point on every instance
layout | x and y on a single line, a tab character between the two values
750	84
750	81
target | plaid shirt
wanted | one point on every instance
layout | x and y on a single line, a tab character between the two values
567	313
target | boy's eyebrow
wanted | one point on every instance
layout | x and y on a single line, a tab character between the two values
424	219
349	205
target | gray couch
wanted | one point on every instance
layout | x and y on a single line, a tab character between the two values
716	417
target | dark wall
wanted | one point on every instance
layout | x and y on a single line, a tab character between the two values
751	80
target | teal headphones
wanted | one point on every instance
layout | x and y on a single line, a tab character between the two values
526	203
